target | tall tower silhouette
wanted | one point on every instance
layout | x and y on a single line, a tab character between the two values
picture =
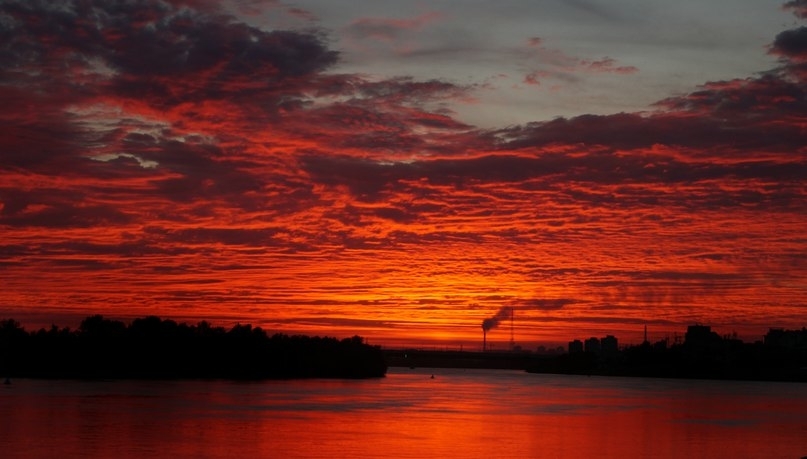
512	338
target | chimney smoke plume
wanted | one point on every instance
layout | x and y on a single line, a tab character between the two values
505	312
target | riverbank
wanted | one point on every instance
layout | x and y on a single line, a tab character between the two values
152	348
760	368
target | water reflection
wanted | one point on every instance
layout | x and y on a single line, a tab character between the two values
459	413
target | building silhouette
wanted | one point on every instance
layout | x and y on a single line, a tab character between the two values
786	339
592	345
609	345
701	337
575	346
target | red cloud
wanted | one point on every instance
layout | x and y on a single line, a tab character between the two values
608	65
534	41
532	78
553	62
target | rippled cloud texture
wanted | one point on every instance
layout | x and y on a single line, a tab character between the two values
173	158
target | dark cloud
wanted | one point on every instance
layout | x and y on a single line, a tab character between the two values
63	60
154	39
395	214
799	7
750	101
405	90
791	43
544	303
747	130
608	65
63	215
395	115
43	143
371	180
227	236
202	171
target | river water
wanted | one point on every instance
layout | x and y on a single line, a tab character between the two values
408	414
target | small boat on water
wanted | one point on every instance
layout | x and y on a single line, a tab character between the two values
7	381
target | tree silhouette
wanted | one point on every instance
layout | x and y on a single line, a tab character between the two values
154	348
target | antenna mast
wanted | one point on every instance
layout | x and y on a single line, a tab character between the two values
512	339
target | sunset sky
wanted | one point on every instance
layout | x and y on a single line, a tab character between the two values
404	170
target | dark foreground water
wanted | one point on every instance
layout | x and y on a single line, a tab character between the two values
459	413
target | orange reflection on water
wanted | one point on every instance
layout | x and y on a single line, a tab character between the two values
458	413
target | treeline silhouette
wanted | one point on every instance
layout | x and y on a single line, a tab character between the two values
782	356
153	348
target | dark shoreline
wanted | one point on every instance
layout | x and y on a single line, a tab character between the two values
154	349
588	364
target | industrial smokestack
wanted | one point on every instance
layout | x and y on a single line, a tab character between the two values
484	339
492	322
506	312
